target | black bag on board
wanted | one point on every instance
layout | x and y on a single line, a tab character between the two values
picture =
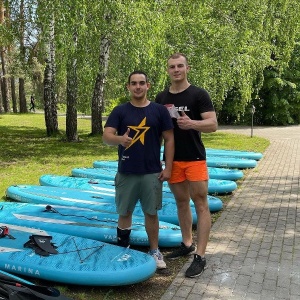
12	289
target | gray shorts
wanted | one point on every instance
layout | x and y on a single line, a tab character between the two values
131	188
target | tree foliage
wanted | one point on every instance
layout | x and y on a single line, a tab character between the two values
243	52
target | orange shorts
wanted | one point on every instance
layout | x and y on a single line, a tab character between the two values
189	170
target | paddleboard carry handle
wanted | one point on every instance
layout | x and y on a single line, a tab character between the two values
93	181
4	231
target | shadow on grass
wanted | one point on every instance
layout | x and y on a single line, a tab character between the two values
26	143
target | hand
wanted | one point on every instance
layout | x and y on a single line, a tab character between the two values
126	139
164	175
184	122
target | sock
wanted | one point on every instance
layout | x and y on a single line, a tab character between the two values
123	237
153	251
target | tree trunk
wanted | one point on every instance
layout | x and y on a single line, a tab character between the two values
98	95
50	101
22	97
13	94
71	118
53	78
4	85
5	98
47	100
1	106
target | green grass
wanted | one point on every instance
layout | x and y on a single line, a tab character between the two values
26	153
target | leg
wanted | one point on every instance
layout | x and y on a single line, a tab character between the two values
151	201
125	203
182	197
123	230
152	227
125	221
198	192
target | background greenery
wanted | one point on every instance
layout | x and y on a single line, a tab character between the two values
243	52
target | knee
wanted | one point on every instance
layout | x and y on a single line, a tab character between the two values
201	204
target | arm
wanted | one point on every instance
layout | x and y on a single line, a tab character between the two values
208	124
110	138
168	137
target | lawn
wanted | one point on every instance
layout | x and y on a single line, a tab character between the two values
26	153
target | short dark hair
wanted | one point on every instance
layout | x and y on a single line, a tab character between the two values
137	72
177	55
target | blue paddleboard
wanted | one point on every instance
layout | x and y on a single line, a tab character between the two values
215	186
78	260
234	153
104	170
230	162
106	187
87	223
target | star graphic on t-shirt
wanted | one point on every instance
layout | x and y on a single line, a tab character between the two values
140	131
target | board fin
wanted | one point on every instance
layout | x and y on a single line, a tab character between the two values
41	244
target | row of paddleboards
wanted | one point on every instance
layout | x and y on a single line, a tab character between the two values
101	200
86	222
69	223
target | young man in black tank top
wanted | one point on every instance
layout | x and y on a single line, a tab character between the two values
192	112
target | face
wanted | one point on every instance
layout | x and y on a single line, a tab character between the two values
178	69
138	86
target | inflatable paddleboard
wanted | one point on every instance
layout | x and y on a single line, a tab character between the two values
230	162
234	153
84	223
215	186
71	259
106	171
225	174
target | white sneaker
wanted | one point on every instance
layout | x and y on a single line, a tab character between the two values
159	259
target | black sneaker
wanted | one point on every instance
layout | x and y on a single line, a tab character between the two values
197	267
182	251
